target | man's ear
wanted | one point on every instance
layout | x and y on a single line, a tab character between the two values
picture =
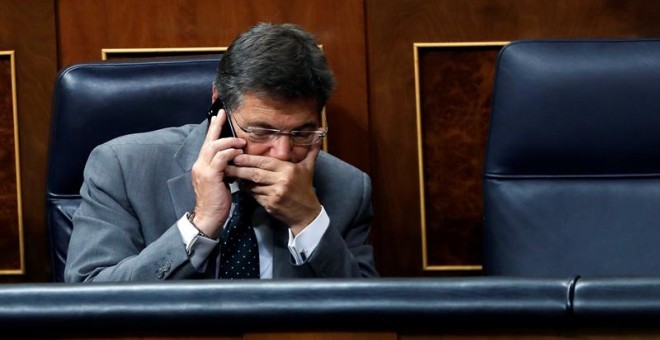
215	95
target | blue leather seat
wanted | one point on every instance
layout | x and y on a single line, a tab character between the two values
95	102
617	302
572	174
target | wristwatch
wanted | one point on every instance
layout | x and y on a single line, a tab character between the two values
191	217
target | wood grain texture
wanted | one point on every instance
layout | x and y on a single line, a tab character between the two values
86	27
28	28
392	28
10	242
455	96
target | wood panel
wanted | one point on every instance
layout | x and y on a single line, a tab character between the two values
11	224
393	26
86	27
28	28
453	83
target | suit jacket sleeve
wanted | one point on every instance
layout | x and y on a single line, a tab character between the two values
343	250
107	242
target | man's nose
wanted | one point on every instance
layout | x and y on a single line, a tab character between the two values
281	148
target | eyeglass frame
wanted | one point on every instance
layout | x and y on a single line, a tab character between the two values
277	133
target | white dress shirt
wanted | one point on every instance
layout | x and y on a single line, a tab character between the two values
301	246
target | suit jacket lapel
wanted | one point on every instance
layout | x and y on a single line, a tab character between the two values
180	185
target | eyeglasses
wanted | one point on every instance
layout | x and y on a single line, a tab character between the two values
297	137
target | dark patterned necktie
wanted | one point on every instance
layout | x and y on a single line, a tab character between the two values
239	251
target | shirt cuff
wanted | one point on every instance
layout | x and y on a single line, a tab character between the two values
302	245
198	247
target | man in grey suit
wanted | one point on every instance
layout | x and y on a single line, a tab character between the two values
154	205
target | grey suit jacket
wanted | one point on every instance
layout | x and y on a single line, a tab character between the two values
136	187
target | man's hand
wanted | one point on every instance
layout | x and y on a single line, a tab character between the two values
283	188
213	198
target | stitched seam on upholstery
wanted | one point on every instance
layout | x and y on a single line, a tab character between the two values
570	297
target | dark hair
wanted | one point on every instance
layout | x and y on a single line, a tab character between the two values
278	61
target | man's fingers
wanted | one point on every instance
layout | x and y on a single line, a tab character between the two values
222	158
211	148
261	162
215	127
255	189
255	175
310	160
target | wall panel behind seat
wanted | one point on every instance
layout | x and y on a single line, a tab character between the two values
86	27
452	167
27	28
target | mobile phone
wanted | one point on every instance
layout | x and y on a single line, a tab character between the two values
228	127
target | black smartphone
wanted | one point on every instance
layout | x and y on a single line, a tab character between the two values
227	128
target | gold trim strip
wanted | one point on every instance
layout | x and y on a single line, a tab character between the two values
324	145
21	270
454	268
460	44
106	51
420	155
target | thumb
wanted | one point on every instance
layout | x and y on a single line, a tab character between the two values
310	160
